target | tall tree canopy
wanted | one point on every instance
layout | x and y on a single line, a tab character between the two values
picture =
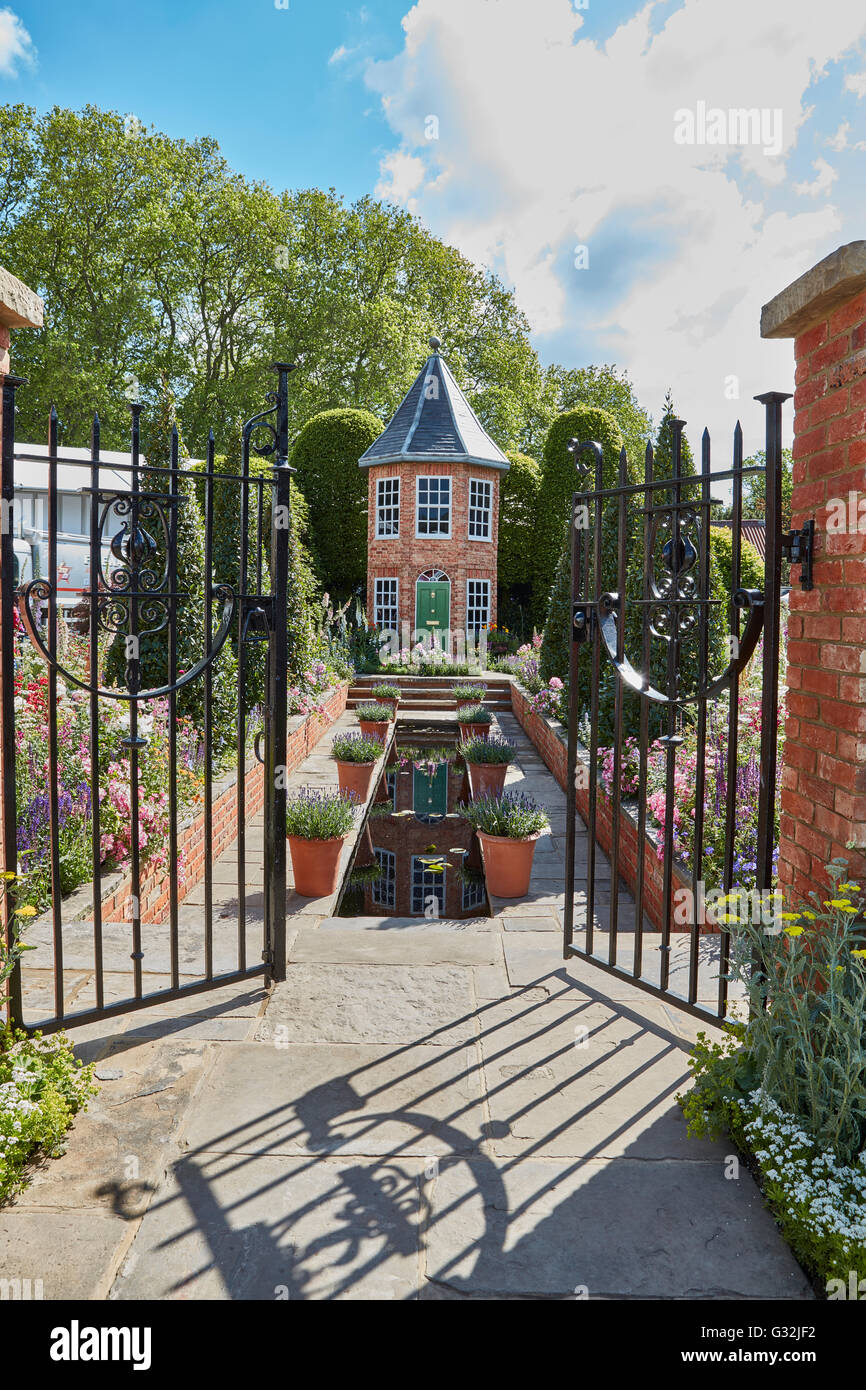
158	262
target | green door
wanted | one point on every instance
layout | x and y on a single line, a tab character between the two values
430	794
433	605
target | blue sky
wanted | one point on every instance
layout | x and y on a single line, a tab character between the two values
554	129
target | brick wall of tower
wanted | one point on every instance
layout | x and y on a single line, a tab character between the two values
407	556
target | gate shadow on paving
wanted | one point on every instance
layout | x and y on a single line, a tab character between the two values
433	1170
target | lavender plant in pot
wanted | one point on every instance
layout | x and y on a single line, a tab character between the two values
508	827
487	759
473	720
374	719
386	694
355	755
468	693
317	823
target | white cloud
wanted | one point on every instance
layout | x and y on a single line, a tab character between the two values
822	183
338	54
16	45
856	82
840	141
548	139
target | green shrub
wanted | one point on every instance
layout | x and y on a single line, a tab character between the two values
313	814
42	1087
751	564
487	750
474	714
512	815
385	692
356	748
326	456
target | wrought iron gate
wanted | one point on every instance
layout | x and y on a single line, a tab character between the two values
642	600
132	603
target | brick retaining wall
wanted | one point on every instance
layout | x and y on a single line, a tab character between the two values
154	886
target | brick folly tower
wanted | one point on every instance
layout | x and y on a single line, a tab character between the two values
433	516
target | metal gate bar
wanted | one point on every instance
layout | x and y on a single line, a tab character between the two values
129	593
676	607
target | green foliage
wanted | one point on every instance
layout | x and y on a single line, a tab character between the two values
183	268
326	456
518	551
314	814
751	564
42	1087
789	1085
384	691
512	815
603	388
755	487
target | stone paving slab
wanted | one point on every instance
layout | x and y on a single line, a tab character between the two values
74	1253
280	1229
117	1148
396	948
575	1078
374	1004
404	925
551	1228
347	1099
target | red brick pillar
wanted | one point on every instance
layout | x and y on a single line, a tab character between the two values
19	308
823	810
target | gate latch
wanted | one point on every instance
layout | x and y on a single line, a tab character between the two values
798	547
257	618
580	623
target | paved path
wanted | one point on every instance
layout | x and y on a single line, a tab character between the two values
434	1110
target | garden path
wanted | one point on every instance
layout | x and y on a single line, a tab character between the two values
423	1110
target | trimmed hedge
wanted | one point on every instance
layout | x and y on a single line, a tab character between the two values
326	455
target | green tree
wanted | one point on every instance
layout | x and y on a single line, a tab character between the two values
156	259
326	455
604	387
755	487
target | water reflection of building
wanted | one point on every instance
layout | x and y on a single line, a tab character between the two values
429	856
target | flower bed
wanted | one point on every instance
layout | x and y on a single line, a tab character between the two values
42	1087
789	1085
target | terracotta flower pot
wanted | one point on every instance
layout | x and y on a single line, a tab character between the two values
315	865
486	779
392	704
355	777
468	731
507	864
373	728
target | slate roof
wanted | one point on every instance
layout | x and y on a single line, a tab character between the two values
434	423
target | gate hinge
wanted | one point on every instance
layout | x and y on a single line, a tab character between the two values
798	547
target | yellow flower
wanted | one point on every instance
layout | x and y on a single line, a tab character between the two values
26	912
855	887
810	915
790	916
794	931
839	902
862	954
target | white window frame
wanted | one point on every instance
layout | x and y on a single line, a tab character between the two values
487	488
387	861
476	892
391	507
482	626
379	605
438	478
436	881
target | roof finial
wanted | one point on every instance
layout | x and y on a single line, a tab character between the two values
435	344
